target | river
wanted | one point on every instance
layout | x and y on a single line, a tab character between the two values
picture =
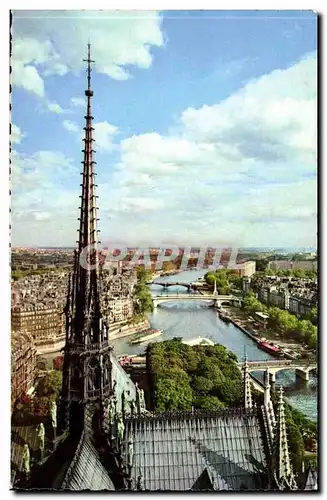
191	319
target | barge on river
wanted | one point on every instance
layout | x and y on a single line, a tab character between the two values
224	317
270	347
147	335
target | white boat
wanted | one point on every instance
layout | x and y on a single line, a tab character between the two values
198	341
151	334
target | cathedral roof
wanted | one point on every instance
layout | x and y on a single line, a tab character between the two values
222	450
86	471
308	480
122	381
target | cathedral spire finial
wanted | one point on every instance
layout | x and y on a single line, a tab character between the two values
247	384
89	61
282	467
267	388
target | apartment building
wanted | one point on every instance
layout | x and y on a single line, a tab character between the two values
23	365
245	268
117	309
44	322
285	265
298	299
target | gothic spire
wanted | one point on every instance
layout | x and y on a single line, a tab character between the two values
282	467
88	230
247	384
268	412
86	371
267	388
87	301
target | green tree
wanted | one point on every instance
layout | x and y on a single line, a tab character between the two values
202	385
261	264
178	371
312	341
314	316
230	392
50	385
208	403
143	298
173	394
210	278
299	273
296	445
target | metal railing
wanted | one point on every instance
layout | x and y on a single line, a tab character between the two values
304	363
78	347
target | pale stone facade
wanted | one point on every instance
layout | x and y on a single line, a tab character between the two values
285	265
23	365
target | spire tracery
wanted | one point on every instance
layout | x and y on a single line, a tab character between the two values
282	466
84	376
247	384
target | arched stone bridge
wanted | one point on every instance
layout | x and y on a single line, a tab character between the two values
189	286
302	367
218	300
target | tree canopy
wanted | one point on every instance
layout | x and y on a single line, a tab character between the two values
143	298
226	280
186	376
50	385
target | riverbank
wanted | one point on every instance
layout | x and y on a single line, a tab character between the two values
246	323
127	330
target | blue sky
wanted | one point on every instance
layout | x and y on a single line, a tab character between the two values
205	125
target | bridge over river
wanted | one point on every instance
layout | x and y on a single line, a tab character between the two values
218	300
189	286
302	367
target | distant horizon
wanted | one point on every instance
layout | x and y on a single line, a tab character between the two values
249	249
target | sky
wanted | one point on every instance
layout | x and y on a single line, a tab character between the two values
205	126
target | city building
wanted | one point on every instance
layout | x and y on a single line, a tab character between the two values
245	268
23	365
298	296
118	309
285	265
279	298
45	323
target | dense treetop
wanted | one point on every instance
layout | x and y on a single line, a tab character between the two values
183	376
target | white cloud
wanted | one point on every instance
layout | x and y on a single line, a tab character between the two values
44	203
272	118
70	126
244	168
119	40
27	77
241	170
16	134
78	102
139	204
103	135
55	108
40	169
42	216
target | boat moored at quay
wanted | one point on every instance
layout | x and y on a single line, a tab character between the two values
147	335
